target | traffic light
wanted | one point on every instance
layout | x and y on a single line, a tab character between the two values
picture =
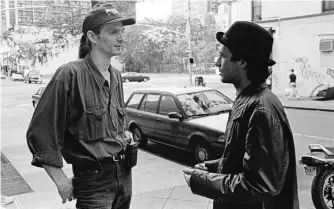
191	60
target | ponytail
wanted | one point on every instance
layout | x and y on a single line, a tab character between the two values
84	47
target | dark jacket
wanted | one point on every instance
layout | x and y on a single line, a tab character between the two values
258	167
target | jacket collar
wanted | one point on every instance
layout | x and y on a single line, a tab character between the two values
253	88
100	80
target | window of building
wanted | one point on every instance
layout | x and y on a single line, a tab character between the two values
256	10
327	5
167	105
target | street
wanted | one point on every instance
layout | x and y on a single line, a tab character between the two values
159	167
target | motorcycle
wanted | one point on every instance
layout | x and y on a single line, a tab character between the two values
320	164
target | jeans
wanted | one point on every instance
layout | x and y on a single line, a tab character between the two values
106	186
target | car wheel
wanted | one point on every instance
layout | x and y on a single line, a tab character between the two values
202	152
139	137
145	79
127	81
29	81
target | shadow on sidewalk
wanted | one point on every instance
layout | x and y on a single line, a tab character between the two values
11	181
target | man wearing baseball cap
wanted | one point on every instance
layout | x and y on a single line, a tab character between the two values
258	167
81	117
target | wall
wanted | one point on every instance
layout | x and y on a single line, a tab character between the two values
242	10
274	8
296	45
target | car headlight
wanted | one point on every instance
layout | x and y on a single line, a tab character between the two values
221	138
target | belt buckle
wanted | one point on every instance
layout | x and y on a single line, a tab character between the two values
115	158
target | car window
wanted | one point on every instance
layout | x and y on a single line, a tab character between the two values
167	105
135	100
150	103
204	102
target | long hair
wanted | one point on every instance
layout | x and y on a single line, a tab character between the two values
85	45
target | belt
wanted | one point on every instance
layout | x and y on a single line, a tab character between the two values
98	164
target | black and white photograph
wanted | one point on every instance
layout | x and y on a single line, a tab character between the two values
167	104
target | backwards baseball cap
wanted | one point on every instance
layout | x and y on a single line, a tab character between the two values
102	14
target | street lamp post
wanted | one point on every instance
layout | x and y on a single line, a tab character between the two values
189	45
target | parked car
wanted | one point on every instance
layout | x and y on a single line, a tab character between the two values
37	96
133	76
190	118
33	76
17	77
2	76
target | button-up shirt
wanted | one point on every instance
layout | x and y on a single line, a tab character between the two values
80	116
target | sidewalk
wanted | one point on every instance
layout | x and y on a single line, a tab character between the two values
307	104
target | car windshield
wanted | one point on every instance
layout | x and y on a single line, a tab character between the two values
204	103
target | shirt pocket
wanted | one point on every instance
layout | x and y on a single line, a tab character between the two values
92	125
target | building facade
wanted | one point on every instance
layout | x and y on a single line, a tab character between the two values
32	12
303	33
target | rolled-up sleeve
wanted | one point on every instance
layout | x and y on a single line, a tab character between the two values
45	134
265	165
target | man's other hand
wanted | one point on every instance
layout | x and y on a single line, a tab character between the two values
66	192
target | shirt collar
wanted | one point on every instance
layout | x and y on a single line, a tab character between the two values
99	78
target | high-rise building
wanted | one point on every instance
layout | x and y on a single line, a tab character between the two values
198	8
33	12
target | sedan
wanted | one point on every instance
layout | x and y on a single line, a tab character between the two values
133	76
37	96
190	118
17	77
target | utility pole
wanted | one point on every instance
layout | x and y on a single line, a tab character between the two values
189	45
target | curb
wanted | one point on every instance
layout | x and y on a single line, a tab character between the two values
307	108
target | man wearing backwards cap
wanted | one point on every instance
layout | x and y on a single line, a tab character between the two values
81	117
258	167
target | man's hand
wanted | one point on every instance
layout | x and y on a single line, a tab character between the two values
201	166
187	174
66	192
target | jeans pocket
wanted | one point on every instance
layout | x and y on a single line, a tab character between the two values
87	175
87	182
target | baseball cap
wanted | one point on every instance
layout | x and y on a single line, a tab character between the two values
104	14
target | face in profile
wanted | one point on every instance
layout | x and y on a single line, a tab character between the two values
228	69
110	39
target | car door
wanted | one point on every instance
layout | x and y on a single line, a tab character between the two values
148	111
170	130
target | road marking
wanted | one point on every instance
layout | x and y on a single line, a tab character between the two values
23	105
315	137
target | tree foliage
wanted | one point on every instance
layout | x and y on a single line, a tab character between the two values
150	44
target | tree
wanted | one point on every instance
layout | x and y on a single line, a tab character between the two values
152	44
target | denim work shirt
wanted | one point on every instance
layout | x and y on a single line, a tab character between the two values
80	116
258	167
